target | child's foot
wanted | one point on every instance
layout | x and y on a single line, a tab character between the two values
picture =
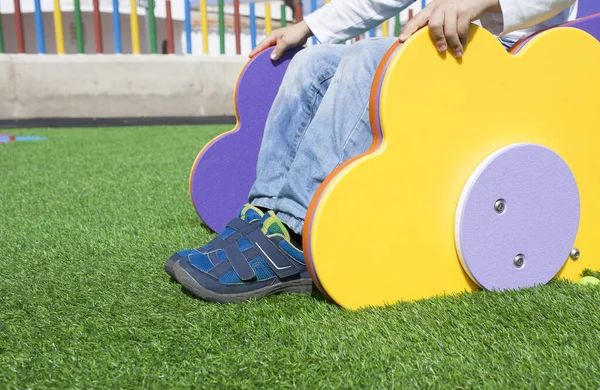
244	266
248	213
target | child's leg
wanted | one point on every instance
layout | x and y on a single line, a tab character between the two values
339	131
255	256
302	89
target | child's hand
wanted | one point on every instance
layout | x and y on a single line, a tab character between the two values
284	39
449	22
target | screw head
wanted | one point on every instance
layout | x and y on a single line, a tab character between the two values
519	260
575	254
500	206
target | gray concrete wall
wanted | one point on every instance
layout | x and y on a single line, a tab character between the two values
109	86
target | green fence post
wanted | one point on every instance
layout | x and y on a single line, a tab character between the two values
152	27
78	27
222	25
283	21
1	37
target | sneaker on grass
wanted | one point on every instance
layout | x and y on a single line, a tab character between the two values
247	260
248	213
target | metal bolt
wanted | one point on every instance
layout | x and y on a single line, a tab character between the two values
575	254
519	260
500	206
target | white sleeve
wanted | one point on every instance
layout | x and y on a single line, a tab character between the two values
522	14
340	20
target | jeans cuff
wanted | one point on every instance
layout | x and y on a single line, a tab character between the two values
267	203
296	224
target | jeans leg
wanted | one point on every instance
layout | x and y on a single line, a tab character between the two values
302	89
339	131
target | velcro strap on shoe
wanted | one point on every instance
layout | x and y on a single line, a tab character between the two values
276	259
214	258
239	262
218	243
242	227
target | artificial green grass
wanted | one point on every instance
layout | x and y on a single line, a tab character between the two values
87	220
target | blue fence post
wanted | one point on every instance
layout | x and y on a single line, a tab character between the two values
313	8
39	28
188	27
252	26
117	27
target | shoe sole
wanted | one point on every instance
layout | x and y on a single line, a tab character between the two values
293	286
170	268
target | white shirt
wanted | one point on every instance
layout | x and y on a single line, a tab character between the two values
340	20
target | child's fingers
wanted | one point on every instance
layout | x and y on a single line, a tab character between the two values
436	28
280	48
416	23
451	31
268	41
464	22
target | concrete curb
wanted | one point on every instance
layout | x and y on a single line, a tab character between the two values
116	86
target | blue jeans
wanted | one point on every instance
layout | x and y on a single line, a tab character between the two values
319	119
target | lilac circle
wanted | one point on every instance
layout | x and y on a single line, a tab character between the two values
540	220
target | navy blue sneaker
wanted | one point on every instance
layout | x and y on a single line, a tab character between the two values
246	263
248	213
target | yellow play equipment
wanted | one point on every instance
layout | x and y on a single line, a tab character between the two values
484	173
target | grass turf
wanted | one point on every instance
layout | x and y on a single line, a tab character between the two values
87	220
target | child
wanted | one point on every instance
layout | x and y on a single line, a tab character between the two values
319	119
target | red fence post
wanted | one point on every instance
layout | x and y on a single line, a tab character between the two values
170	38
298	11
19	27
98	27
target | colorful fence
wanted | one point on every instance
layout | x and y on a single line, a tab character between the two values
267	23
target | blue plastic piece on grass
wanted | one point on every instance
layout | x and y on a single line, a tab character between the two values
30	138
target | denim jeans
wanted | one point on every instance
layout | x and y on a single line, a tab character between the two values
319	119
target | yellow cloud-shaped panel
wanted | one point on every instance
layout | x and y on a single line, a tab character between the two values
382	229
